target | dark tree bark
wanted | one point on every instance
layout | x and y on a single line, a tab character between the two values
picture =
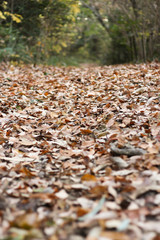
135	8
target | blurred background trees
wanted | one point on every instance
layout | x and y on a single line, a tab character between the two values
71	32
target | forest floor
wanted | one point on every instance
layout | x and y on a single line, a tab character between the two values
80	152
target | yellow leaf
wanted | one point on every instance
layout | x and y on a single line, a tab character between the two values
15	18
63	44
7	13
75	9
2	16
57	48
4	4
41	16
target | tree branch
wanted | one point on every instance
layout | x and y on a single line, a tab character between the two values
96	13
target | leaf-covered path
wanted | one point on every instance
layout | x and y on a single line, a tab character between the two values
80	153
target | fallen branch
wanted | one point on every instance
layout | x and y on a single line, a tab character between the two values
126	150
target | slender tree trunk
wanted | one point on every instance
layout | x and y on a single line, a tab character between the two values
143	48
135	37
10	42
150	46
135	48
135	8
12	11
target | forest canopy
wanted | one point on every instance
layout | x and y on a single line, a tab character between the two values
70	32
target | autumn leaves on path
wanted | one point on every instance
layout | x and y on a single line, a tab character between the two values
80	152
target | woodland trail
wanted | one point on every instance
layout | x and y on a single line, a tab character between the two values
80	152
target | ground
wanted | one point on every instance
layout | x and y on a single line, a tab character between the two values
80	152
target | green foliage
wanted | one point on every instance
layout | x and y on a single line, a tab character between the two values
69	31
40	32
119	51
12	46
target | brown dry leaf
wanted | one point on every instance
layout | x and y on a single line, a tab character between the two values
88	177
26	221
98	191
26	172
158	136
85	131
115	235
81	212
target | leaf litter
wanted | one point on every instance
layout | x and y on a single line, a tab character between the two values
80	152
